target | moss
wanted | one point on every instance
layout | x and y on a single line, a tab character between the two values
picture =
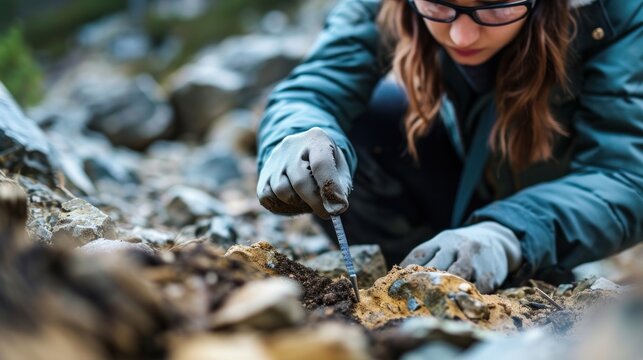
18	70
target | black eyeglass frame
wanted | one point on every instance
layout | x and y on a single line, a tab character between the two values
471	10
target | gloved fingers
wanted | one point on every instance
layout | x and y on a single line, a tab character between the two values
284	191
270	201
462	267
443	259
333	191
485	280
421	255
306	187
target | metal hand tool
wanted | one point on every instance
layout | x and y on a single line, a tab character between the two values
343	246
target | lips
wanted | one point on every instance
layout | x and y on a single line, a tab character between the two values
466	52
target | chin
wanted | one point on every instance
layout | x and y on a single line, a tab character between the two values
470	60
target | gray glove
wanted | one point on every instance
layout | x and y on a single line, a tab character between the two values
483	253
305	172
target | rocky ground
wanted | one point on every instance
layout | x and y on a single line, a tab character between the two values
129	228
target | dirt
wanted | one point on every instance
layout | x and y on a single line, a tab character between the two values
329	192
323	296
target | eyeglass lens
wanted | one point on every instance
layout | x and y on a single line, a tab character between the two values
441	12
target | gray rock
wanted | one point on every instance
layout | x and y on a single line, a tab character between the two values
219	230
185	205
152	237
265	305
434	350
262	58
81	222
24	147
459	333
236	132
607	285
515	346
132	114
108	247
368	260
201	92
210	168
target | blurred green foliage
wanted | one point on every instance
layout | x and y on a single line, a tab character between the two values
18	70
48	28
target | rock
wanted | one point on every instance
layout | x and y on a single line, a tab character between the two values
458	333
263	305
25	149
561	321
184	205
108	247
262	58
329	340
152	237
129	114
436	350
224	76
44	207
210	168
606	285
13	219
201	92
236	132
473	308
420	291
368	260
218	230
87	157
541	345
81	222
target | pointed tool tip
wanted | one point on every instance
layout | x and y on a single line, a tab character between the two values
355	287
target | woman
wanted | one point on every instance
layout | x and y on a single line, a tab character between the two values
513	144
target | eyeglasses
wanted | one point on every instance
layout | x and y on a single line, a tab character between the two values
487	15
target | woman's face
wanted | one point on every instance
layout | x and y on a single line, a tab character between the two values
469	43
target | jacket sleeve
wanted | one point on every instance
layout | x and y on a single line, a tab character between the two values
597	209
332	86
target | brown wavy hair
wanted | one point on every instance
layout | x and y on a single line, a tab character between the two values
525	130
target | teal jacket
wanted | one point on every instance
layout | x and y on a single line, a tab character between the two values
585	204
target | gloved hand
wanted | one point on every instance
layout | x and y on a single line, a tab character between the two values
483	253
305	172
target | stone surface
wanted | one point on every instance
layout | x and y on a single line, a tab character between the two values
132	114
81	222
110	247
24	147
263	305
201	92
219	230
236	132
185	205
329	340
421	291
152	237
368	261
13	219
211	167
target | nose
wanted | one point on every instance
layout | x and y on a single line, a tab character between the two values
464	31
